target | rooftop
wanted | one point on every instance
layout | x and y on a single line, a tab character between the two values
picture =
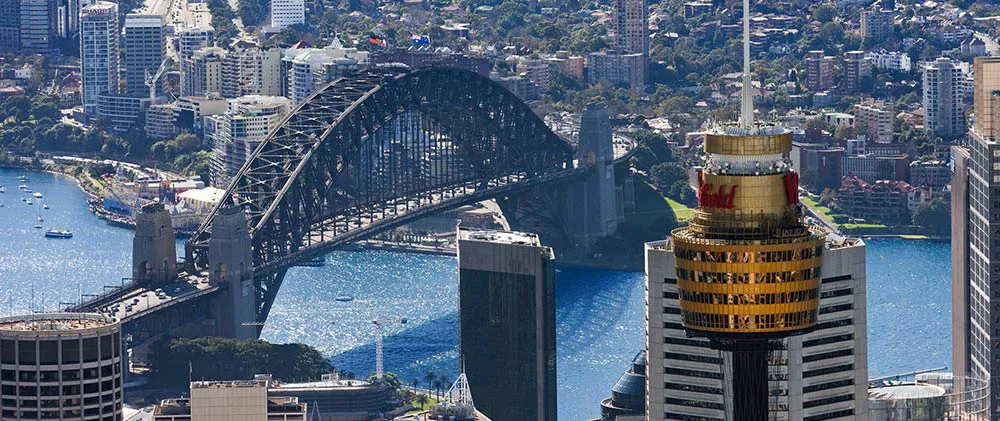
53	322
504	237
322	384
906	391
228	384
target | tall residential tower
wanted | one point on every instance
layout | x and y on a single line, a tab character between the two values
98	52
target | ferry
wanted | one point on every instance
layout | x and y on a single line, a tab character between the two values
344	298
38	195
54	233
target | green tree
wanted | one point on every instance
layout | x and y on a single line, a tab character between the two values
933	216
824	12
666	174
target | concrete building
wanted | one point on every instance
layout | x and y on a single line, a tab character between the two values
933	174
908	401
98	52
237	133
39	26
876	24
507	323
154	247
285	13
894	60
201	74
818	164
194	39
122	112
839	119
819	71
249	70
944	114
986	85
617	69
306	69
64	366
341	400
819	375
567	65
857	71
242	400
884	201
874	118
537	72
145	44
161	122
190	111
631	26
10	25
871	167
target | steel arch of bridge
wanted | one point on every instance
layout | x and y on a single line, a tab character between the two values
373	150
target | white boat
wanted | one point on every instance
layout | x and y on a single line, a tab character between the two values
29	202
38	195
40	219
3	189
344	298
39	226
45	206
27	190
22	186
54	233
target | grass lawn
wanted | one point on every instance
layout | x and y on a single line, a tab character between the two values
427	406
824	212
681	211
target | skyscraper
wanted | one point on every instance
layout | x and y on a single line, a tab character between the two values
857	69
10	25
876	24
145	44
730	296
819	71
944	114
201	74
975	255
98	52
39	25
507	341
631	27
285	13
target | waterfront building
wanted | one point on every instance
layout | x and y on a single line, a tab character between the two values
750	313
201	74
876	24
874	117
336	399
145	43
285	13
881	202
122	112
617	69
871	167
628	395
10	25
507	344
819	71
39	26
237	133
60	366
944	114
98	52
857	69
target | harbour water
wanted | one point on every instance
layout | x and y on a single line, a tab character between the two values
599	313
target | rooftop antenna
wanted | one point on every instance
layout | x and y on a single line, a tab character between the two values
746	105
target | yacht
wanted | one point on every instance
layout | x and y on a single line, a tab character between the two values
3	189
344	298
28	201
38	195
22	186
45	205
39	226
54	233
27	190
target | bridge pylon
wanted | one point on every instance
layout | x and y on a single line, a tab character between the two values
230	262
154	248
592	207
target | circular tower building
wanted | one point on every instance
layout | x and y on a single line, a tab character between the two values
60	366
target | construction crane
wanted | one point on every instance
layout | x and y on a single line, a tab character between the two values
379	367
152	79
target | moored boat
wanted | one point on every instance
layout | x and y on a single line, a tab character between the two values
54	233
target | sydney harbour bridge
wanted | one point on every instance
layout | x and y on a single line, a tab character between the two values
361	155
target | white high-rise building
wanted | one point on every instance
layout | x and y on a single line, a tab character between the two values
201	74
145	44
308	68
98	52
285	13
944	113
822	374
236	134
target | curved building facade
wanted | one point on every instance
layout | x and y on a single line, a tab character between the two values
628	395
60	366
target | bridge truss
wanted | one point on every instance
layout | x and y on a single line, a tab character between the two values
375	150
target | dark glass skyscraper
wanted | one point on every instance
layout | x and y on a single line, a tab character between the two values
507	324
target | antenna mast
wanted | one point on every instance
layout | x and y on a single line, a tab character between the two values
746	104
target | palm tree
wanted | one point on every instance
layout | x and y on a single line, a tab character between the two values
429	377
415	382
445	383
421	400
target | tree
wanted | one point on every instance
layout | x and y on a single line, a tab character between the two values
682	192
933	216
429	377
666	174
824	12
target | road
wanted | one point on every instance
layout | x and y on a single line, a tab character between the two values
141	300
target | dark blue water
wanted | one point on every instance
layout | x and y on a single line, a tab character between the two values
599	313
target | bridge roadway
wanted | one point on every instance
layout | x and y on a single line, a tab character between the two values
136	301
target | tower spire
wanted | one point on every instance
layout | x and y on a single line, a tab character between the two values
746	104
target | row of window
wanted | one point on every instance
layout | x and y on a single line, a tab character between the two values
749	256
55	402
748	278
65	351
64	375
113	413
68	390
749	322
773	298
827	370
